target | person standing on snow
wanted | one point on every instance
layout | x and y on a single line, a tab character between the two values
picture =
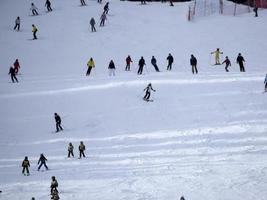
81	149
12	73
255	9
128	63
227	63
58	122
34	9
92	23
141	64
16	66
217	56
70	150
154	63
25	166
240	61
54	184
265	82
106	8
17	24
148	92
34	31
111	68
193	62
42	160
103	18
90	65
48	6
170	61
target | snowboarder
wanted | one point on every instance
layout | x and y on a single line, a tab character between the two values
170	61
255	9
141	64
54	184
90	65
16	66
58	122
54	195
193	62
217	56
148	91
143	2
240	61
83	3
34	31
17	24
25	166
92	23
265	82
111	68
81	149
42	160
103	19
70	150
34	9
227	63
128	63
106	8
12	73
48	6
154	63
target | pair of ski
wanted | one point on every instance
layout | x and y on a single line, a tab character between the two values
148	100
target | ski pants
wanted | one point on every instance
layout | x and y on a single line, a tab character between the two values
53	188
17	26
49	8
13	78
226	68
242	68
169	67
194	69
147	95
93	28
88	71
42	163
102	22
82	154
82	2
58	126
217	59
25	168
112	72
127	68
140	70
156	67
266	86
34	12
34	35
70	153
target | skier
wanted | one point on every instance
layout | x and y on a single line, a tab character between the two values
141	64
255	9
48	6
58	122
83	3
34	31
54	195
240	61
16	66
227	63
154	63
103	19
70	150
81	149
217	56
148	91
92	23
193	62
12	73
111	68
42	160
34	9
17	24
54	184
170	61
143	2
25	164
90	65
265	82
106	8
128	63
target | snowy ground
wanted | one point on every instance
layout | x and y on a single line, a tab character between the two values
203	137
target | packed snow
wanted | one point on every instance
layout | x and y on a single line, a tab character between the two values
203	136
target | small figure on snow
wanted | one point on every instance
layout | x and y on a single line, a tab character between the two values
70	150
182	198
111	68
25	166
193	62
90	65
48	6
99	1
255	9
227	63
58	122
16	66
81	149
54	195
143	2
141	64
217	56
240	61
265	82
154	63
171	2
148	91
34	9
54	184
170	61
103	18
42	160
17	24
128	63
106	8
83	3
92	24
34	31
12	73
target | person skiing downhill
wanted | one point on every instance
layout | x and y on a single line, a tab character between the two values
240	59
111	68
81	149
34	9
70	150
148	92
141	64
170	61
103	18
17	24
12	73
227	63
48	6
42	160
106	8
58	122
34	31
193	62
92	24
25	166
54	184
154	63
16	66
217	56
128	63
265	82
90	65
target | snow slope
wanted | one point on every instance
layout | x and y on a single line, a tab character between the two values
204	136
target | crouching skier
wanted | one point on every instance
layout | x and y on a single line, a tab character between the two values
148	91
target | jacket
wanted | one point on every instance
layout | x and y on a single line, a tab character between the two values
34	29
81	147
91	63
193	61
25	163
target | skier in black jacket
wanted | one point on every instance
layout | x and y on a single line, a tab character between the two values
170	61
240	61
42	161
141	64
193	62
48	5
154	63
58	122
106	8
148	91
12	73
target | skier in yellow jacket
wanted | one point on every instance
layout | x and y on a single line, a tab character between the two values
217	56
90	65
34	31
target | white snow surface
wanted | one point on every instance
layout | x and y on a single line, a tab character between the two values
204	136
